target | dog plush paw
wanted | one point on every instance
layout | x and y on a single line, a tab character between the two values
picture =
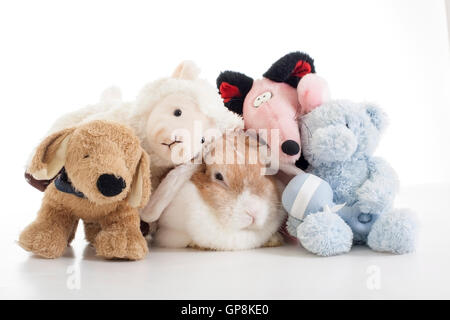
128	245
44	241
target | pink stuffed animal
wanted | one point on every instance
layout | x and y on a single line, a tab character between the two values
288	90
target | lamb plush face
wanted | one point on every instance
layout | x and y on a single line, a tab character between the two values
178	114
340	131
176	128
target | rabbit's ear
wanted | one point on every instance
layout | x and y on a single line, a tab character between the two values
167	190
233	88
291	68
141	185
186	70
378	117
50	156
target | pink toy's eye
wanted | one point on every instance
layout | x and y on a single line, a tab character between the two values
266	96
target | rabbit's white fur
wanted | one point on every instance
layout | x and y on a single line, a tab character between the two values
189	221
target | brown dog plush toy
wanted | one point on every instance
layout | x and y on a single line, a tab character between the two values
102	177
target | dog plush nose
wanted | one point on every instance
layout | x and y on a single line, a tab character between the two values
109	185
290	147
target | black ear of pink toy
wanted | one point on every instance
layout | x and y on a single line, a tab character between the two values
291	68
234	86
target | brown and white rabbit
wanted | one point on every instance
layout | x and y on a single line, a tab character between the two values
224	206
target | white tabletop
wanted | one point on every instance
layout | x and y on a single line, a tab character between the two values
274	273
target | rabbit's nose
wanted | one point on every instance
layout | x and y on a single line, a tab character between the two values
290	147
109	185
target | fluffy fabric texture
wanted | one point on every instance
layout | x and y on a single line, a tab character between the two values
112	221
322	233
395	232
233	88
338	140
136	114
291	68
200	90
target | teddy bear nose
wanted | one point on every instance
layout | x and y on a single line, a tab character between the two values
109	185
290	147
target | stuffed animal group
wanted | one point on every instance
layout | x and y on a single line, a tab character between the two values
347	194
117	165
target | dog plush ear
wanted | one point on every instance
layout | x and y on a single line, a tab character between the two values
291	68
233	88
186	70
50	156
141	185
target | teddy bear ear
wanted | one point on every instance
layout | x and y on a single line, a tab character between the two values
186	70
233	88
291	68
377	116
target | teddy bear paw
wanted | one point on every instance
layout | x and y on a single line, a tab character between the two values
394	232
325	234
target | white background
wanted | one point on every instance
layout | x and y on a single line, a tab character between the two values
56	56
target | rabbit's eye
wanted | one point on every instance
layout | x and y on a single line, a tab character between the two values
347	125
177	113
218	176
203	140
85	156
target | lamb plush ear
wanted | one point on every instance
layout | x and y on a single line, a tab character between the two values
141	185
291	68
233	88
312	91
378	117
186	70
50	156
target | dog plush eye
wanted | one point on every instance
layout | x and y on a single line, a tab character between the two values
177	113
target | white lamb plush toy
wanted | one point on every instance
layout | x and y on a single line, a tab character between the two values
174	118
169	116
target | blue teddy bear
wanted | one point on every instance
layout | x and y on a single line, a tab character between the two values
338	141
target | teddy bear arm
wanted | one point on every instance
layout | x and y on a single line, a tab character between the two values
376	195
